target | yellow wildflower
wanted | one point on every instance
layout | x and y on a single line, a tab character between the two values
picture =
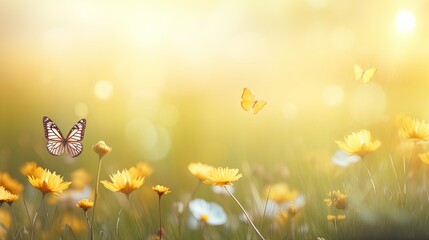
336	218
80	178
75	222
414	130
10	184
5	223
337	199
199	170
6	196
85	204
161	190
123	182
222	176
31	168
141	170
280	193
292	210
359	143
49	182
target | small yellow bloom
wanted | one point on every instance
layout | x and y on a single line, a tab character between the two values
6	196
75	222
359	143
292	210
414	130
31	168
5	223
336	218
85	204
424	157
49	182
161	190
199	170
280	193
337	199
80	178
141	170
123	182
101	149
222	176
10	184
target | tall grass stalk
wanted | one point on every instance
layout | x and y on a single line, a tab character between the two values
135	219
14	220
33	222
186	208
117	222
97	181
245	213
406	163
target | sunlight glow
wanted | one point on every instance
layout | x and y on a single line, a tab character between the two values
405	21
333	95
103	89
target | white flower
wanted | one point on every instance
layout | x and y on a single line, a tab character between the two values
271	208
71	197
207	212
221	190
341	158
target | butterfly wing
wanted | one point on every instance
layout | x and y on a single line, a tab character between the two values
73	144
368	75
258	106
358	72
247	99
54	136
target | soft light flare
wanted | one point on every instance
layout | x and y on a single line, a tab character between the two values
405	21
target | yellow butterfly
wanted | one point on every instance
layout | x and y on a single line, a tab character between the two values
365	75
248	102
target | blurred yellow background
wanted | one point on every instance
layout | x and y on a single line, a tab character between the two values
160	81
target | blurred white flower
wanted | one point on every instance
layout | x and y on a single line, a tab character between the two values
271	208
221	190
179	207
207	212
71	197
298	202
341	158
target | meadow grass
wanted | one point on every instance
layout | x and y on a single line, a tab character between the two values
375	203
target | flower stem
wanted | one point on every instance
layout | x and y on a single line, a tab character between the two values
85	213
100	161
160	222
245	213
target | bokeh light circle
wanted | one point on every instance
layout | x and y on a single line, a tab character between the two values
103	89
333	95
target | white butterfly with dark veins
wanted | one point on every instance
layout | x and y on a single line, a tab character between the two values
57	144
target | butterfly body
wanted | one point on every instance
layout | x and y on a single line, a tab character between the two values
57	144
248	101
365	75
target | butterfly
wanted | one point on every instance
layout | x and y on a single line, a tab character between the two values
248	102
365	75
57	144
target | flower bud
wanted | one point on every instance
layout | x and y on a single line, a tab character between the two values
101	149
